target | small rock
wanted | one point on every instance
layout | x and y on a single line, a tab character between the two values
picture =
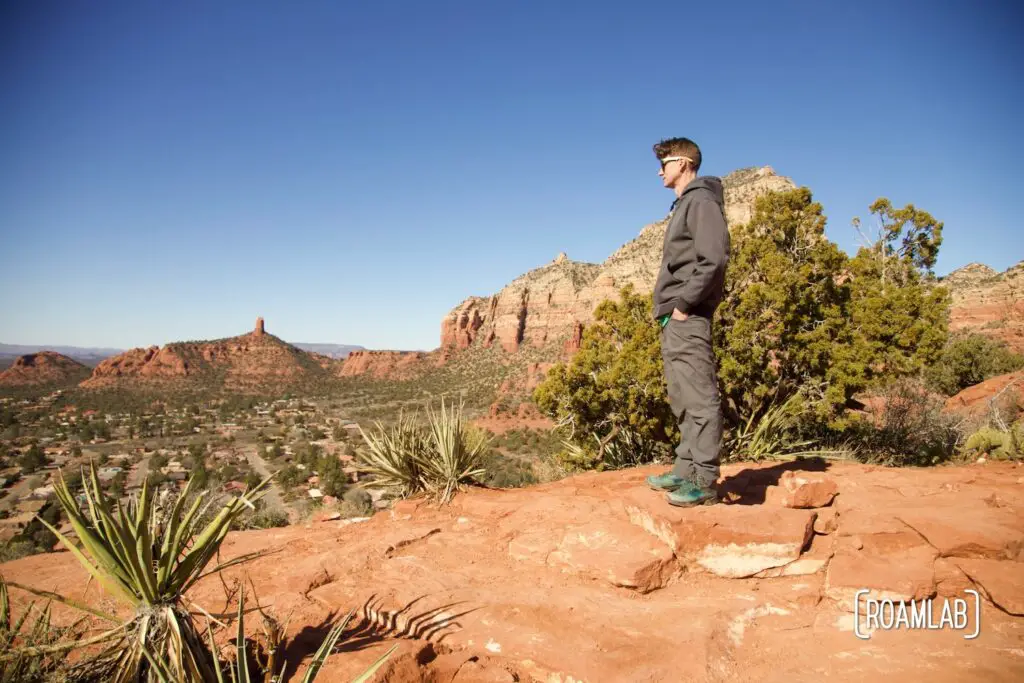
327	516
827	521
353	520
806	491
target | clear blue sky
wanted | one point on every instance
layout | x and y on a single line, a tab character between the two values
352	171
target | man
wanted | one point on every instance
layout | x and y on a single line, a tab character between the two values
689	288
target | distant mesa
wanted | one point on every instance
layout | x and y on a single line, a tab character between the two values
248	362
42	368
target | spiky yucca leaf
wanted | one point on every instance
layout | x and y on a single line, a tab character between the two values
394	456
148	556
240	671
455	456
29	650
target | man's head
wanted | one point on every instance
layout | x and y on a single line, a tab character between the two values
680	161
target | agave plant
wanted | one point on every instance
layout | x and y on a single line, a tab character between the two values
148	555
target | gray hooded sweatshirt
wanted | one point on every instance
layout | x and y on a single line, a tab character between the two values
695	252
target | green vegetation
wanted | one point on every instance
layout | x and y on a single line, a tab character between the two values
802	330
437	458
969	359
25	641
147	554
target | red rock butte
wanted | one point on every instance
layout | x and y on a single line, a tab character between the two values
43	367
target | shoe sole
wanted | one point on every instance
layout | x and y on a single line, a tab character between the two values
706	501
661	490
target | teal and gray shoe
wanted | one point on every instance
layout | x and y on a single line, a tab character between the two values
693	495
667	482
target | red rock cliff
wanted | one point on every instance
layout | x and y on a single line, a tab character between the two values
988	302
383	364
551	303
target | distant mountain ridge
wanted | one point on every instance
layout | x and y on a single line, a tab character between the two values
250	362
988	302
93	356
85	355
335	351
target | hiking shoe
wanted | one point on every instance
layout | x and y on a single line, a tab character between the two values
693	496
667	482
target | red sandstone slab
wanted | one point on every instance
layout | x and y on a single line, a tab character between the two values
899	566
732	541
1001	581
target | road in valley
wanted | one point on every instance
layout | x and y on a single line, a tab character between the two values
273	496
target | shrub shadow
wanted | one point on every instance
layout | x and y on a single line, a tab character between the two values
750	486
371	624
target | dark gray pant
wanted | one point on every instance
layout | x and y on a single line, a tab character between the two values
691	375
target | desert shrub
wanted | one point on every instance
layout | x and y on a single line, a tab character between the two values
262	518
436	458
504	472
908	427
358	501
613	383
16	548
969	359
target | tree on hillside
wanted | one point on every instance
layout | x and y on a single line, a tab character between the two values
613	389
32	459
782	320
898	314
969	359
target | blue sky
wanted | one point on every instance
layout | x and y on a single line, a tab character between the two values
352	171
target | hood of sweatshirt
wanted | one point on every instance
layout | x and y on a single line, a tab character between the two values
706	183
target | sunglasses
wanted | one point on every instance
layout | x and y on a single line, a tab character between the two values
668	159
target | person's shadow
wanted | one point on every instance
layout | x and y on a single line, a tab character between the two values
750	486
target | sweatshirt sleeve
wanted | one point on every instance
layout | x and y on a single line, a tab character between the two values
711	241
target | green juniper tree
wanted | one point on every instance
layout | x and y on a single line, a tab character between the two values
803	328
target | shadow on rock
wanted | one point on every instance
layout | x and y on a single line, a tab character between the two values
750	486
377	623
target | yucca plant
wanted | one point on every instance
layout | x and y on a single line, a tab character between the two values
269	662
148	554
773	435
436	459
26	646
456	453
394	456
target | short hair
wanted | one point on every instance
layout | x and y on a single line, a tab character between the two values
679	147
